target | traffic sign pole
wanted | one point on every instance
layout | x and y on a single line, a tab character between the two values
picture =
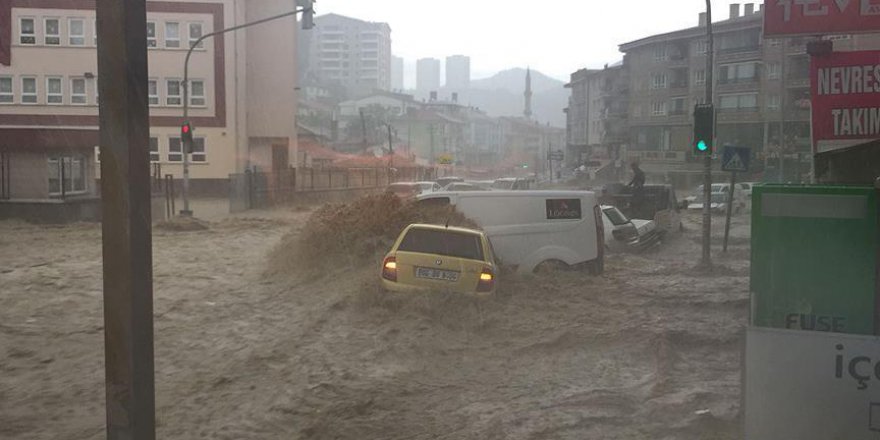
729	209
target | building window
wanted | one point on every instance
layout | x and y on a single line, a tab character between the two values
29	90
54	90
661	53
172	34
175	152
737	73
6	91
69	171
78	91
97	101
76	32
701	47
198	150
153	91
658	81
773	102
52	31
154	149
172	92
26	31
94	32
151	35
677	106
774	42
699	77
658	108
739	102
773	71
197	93
195	32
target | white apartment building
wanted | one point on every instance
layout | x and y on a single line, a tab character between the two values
242	99
427	76
353	53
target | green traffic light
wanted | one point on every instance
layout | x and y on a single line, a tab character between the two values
701	146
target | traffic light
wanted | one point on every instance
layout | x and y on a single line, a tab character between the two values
186	136
704	128
308	13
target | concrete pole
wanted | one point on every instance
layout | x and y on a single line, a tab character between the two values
707	165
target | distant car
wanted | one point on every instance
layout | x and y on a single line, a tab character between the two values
622	232
719	201
462	186
404	190
437	257
746	188
739	194
443	181
515	183
429	187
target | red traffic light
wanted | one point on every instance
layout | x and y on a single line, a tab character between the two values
185	128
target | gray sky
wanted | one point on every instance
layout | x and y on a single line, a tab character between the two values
556	37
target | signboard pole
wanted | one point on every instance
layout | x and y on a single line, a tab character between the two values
729	209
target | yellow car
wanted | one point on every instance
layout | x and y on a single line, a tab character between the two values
440	257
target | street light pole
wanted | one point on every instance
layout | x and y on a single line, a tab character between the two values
188	148
707	164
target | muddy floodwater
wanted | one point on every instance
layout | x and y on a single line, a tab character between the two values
649	350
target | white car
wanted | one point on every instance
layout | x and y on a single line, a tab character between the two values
622	232
428	187
719	201
720	193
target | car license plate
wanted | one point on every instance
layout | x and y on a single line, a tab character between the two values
436	274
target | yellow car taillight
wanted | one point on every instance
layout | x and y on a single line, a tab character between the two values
389	269
487	280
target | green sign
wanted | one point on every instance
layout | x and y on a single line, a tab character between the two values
814	258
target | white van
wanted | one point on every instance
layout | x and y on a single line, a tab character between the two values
529	229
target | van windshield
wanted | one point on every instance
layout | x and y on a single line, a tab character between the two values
448	243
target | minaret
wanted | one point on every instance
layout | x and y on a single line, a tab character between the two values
528	94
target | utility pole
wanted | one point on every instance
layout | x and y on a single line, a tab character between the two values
363	130
126	220
706	261
307	23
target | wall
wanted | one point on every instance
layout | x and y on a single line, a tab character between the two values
271	73
29	178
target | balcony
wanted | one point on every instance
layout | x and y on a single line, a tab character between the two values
737	50
797	81
738	109
658	156
678	84
746	80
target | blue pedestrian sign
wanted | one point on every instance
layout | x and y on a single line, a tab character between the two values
735	159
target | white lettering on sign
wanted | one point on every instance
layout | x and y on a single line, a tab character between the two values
856	121
849	79
814	8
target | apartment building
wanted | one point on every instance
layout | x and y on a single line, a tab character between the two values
243	115
458	72
397	74
597	114
427	76
352	53
761	95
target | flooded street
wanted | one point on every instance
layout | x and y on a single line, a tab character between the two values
651	349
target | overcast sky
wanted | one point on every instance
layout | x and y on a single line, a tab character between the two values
556	37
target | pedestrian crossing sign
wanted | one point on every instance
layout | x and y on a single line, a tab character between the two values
735	158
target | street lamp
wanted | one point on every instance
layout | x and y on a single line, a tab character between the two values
308	11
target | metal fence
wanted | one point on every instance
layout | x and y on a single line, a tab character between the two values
258	189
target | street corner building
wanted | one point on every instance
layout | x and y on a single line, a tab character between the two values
242	100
